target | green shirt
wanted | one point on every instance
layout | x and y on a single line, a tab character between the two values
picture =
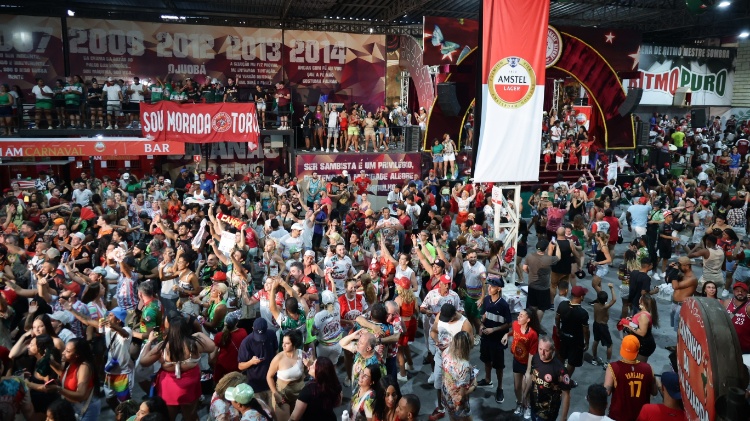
157	93
209	95
151	316
72	94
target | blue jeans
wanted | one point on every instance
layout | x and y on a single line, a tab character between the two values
675	315
92	412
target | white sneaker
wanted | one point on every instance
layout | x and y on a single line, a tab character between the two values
109	127
315	149
476	340
657	277
116	127
527	413
335	150
519	409
409	367
402	378
432	378
49	128
725	294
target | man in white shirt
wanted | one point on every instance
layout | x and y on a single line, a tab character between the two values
333	130
555	132
342	268
135	97
597	399
82	195
119	368
395	197
291	240
43	95
113	95
389	227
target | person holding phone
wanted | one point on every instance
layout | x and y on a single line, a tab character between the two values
255	354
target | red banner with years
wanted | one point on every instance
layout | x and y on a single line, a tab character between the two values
200	123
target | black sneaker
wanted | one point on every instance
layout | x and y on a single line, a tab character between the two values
499	395
484	383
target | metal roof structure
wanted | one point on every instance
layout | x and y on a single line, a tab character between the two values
663	21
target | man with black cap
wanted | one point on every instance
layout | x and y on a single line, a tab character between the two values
496	321
255	355
572	323
146	265
672	409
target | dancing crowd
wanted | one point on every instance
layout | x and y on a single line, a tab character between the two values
263	297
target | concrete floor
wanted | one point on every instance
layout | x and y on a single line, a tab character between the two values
482	400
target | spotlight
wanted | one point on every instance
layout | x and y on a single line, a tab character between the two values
71	13
744	34
725	4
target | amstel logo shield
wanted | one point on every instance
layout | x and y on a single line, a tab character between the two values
512	82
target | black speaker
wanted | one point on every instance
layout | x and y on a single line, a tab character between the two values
447	99
631	101
412	139
698	118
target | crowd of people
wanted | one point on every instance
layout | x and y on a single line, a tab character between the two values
264	300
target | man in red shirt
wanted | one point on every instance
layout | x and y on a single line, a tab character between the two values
672	408
211	175
743	145
614	231
283	99
362	182
631	383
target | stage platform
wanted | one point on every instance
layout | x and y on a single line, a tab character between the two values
26	132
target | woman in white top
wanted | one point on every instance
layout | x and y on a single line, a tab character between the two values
333	130
289	367
449	156
421	118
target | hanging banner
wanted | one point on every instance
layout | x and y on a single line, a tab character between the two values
47	147
30	48
706	72
200	123
583	116
121	49
344	67
386	170
513	70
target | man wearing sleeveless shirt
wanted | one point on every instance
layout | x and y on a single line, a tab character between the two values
631	383
737	308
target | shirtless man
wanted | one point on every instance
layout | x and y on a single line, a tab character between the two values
683	288
601	322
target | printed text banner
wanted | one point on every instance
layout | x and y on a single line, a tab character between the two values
514	43
24	148
346	67
200	123
30	48
122	49
706	72
385	170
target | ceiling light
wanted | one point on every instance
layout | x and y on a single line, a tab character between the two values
371	30
71	13
744	34
725	4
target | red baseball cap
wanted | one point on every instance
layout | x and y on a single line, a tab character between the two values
643	200
219	276
445	279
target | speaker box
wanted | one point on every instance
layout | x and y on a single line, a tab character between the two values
631	101
412	139
447	99
698	118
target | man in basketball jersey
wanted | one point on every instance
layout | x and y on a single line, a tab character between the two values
631	383
737	308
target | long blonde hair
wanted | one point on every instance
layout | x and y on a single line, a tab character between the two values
406	294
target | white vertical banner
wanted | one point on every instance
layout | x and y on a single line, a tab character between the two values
513	69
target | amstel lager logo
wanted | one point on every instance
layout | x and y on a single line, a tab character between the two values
512	82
